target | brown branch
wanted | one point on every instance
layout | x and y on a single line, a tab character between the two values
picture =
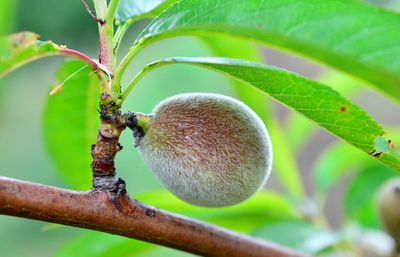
118	214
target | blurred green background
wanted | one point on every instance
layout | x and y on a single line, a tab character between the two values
22	97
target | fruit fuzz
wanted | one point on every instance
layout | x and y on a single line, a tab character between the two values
207	149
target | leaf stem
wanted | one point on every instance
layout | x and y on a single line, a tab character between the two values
119	34
125	63
111	9
81	56
122	29
105	84
146	69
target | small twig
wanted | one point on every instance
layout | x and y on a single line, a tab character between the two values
91	13
116	213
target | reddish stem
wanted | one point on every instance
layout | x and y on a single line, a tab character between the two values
81	56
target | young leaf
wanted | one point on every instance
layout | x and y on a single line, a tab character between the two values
70	123
129	9
353	37
284	163
21	48
318	102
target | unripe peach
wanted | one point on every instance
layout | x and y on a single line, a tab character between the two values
207	149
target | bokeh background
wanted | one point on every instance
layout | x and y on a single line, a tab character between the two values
22	97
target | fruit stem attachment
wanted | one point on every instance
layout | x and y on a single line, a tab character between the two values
138	123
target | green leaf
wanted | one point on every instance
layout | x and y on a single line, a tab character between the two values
130	9
21	48
262	208
70	123
317	102
339	159
300	129
284	163
298	235
359	200
353	37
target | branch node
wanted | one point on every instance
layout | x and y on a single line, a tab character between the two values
131	122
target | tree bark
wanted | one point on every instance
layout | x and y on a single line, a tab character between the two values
116	213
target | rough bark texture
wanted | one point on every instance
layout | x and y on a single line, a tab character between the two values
107	146
120	215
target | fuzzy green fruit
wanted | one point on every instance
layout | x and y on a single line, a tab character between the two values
207	149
